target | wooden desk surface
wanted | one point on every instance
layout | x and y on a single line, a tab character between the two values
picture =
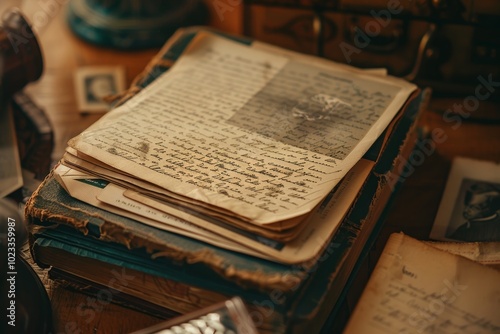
412	212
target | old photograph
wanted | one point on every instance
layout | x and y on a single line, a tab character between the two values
470	206
94	84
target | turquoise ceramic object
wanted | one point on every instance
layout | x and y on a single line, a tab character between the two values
133	24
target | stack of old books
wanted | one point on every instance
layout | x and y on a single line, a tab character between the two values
231	167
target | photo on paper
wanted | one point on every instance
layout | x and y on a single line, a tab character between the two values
470	206
326	113
94	84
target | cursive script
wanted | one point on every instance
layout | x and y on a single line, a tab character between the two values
200	131
418	289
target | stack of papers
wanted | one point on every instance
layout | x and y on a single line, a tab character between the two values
250	148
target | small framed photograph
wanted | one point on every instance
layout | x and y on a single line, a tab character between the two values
93	84
470	206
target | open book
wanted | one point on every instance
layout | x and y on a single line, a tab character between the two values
416	288
238	146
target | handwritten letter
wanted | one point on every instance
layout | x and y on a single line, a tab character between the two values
201	130
416	288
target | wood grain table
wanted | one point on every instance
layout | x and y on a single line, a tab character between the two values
413	210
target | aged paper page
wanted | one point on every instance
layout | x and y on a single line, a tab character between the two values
487	253
416	288
247	131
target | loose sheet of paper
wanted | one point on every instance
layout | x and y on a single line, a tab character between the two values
487	253
245	130
416	288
